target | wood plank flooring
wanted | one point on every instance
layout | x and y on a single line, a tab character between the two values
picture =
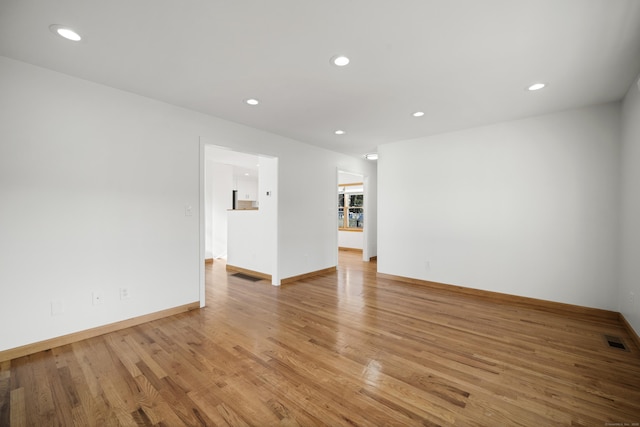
344	349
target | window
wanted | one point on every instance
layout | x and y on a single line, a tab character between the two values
350	207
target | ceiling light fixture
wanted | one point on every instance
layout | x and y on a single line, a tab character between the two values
339	60
371	156
418	114
65	32
252	101
536	86
339	132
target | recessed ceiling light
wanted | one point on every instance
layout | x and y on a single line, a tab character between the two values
339	132
340	60
246	174
65	32
418	114
371	156
252	101
536	86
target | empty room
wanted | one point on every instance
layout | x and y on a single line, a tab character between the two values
309	213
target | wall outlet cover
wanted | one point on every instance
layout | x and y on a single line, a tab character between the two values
97	298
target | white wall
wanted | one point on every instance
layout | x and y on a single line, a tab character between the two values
527	207
247	188
629	303
252	233
247	246
348	178
102	182
351	239
268	199
370	249
94	183
222	183
208	209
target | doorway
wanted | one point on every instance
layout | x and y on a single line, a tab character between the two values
352	206
238	210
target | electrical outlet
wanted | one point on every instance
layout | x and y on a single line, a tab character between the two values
124	293
632	298
97	297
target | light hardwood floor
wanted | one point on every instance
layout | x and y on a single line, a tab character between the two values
344	349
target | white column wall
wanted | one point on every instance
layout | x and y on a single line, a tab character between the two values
629	300
208	209
222	176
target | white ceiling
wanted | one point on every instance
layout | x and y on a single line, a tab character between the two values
463	62
233	158
242	163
